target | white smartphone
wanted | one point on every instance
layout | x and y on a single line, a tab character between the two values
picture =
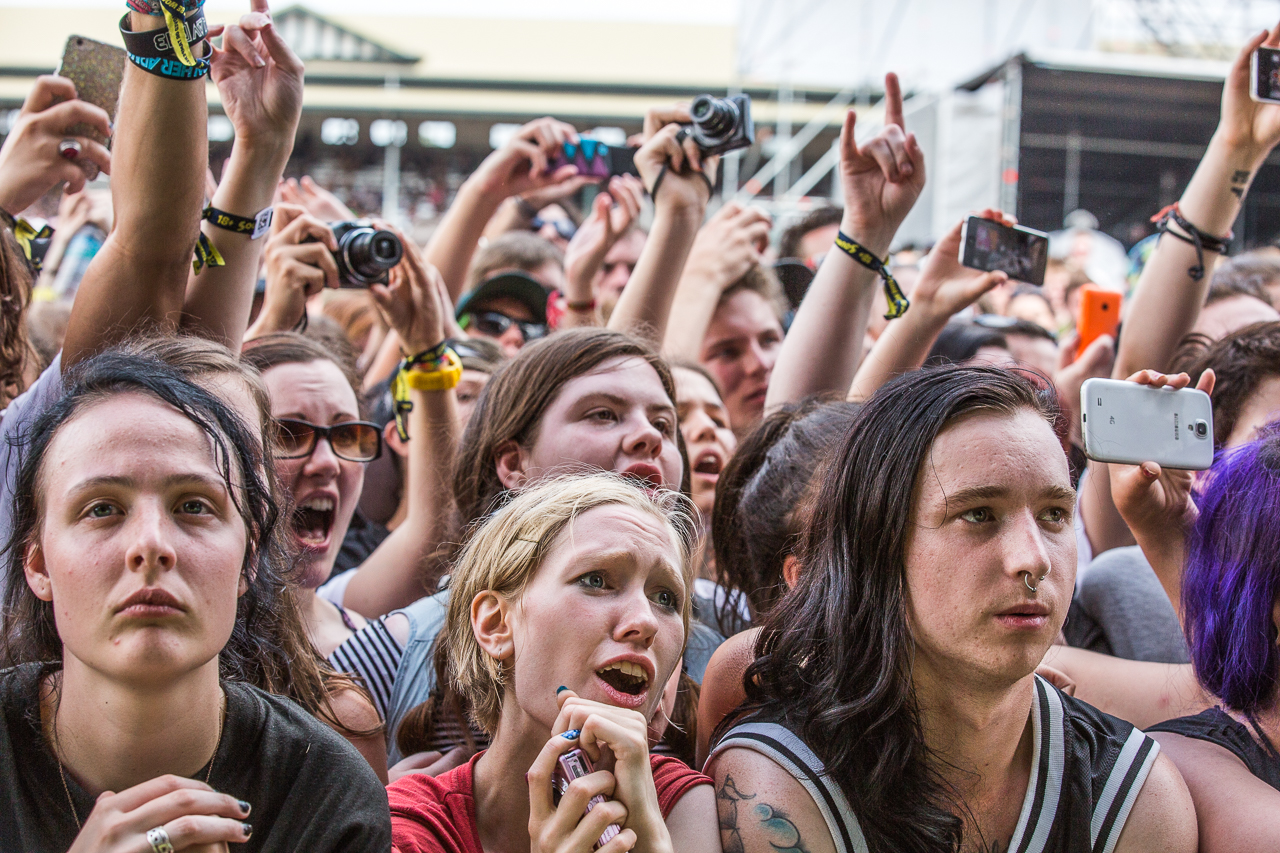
1131	423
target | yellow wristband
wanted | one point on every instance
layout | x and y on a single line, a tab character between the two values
446	375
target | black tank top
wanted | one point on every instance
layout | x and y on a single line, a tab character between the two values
1087	769
1218	727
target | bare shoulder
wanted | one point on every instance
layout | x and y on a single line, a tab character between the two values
763	809
1163	816
722	684
692	822
398	627
356	713
1236	810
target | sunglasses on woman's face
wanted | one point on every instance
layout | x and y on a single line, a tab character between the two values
355	441
493	325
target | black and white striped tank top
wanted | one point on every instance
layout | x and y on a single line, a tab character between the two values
374	655
1087	770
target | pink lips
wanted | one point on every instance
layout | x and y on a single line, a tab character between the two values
649	476
150	603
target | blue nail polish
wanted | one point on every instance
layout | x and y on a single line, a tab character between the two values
561	689
572	734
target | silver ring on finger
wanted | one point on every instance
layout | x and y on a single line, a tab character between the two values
159	840
69	149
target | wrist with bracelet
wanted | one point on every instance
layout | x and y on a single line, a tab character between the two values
207	255
434	369
167	52
898	302
1201	241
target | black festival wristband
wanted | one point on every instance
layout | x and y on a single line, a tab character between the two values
898	302
1201	241
153	50
254	228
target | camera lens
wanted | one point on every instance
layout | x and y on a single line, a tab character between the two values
387	249
715	119
370	253
1202	429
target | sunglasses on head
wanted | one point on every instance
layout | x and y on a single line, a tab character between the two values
355	441
493	325
564	227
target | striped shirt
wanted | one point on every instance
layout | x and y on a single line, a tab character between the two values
373	655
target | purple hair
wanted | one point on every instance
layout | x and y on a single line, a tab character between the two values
1232	577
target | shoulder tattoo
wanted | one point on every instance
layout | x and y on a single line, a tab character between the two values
744	815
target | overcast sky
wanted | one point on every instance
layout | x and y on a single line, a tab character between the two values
701	11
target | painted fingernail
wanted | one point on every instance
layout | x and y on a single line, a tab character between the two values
244	806
561	689
248	829
572	734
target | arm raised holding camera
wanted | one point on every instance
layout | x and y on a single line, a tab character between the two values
673	169
881	182
522	165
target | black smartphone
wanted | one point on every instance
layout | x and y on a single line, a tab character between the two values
1264	77
97	70
596	159
1022	253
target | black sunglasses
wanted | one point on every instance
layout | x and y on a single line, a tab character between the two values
564	227
354	441
493	325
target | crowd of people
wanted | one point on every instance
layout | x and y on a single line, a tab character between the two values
644	525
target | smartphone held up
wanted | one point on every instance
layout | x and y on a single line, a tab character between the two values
1021	253
1130	423
1264	75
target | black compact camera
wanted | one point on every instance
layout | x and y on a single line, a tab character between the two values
365	253
721	125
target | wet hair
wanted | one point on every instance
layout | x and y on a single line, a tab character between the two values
960	341
508	550
835	654
515	250
1231	581
269	647
1241	361
511	406
761	502
822	217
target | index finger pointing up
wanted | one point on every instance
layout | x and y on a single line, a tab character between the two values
260	6
892	100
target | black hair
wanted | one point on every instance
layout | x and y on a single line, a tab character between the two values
822	217
835	654
251	655
960	341
761	502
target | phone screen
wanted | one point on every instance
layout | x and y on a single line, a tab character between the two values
1020	252
1266	75
96	69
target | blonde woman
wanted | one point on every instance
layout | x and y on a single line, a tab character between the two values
568	615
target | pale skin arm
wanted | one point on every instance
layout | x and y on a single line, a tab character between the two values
692	822
645	305
612	213
260	79
1235	809
763	809
944	289
139	277
1167	302
1163	817
881	181
358	714
1137	691
401	569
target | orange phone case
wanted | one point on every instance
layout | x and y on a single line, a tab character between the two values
1099	315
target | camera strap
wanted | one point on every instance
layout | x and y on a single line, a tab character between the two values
1196	238
254	227
653	193
166	52
898	302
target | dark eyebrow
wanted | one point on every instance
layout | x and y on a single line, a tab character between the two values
623	402
130	483
986	493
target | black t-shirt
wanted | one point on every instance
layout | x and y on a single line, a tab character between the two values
309	788
1219	727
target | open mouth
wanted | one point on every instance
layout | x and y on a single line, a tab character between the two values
625	677
313	520
645	476
708	464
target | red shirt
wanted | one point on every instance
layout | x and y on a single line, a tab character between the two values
438	814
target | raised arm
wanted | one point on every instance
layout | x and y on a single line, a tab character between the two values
523	164
404	567
139	277
945	288
1170	294
672	169
881	182
260	80
612	213
731	243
